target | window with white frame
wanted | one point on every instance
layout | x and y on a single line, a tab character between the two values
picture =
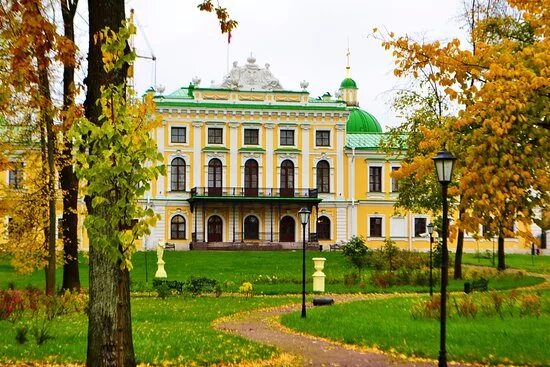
398	227
394	181
215	135
251	136
420	226
15	177
322	138
375	226
375	179
178	134
286	137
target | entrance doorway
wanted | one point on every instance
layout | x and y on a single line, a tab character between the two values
287	229
251	228
215	227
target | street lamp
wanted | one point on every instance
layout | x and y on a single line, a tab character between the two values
304	218
431	231
444	162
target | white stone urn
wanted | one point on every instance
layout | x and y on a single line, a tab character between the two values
319	276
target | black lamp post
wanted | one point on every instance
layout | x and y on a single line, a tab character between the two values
304	218
444	162
431	231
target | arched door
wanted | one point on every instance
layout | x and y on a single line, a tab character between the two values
215	177
251	228
287	230
215	227
287	178
251	178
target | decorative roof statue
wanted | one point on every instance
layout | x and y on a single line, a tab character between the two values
251	77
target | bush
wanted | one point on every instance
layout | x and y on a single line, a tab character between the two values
351	279
246	288
355	251
199	285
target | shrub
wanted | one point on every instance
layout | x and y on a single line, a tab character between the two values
465	306
351	279
391	253
355	251
21	334
12	304
428	309
530	305
246	288
199	285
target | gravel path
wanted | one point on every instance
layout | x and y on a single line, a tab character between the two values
262	326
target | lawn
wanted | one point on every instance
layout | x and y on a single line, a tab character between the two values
175	331
271	272
535	264
388	324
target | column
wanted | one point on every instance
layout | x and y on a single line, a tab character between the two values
233	153
197	144
161	192
340	161
306	169
269	155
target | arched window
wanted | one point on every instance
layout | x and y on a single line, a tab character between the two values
287	178
177	227
251	178
323	176
215	177
177	179
215	229
323	228
251	228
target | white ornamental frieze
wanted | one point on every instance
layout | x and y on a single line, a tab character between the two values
251	77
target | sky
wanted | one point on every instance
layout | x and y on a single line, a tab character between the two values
300	39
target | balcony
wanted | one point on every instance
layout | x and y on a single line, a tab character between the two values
254	194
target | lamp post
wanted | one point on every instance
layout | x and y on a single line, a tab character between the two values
304	218
431	231
444	162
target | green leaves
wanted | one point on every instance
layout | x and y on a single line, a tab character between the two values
117	158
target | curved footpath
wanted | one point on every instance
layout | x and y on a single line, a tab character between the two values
263	326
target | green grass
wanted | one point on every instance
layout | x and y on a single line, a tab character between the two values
388	324
234	268
535	264
176	330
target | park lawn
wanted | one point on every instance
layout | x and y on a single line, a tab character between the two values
270	272
388	325
534	264
174	331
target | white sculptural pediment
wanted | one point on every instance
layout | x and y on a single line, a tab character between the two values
251	77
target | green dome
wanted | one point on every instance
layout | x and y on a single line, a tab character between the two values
348	83
360	121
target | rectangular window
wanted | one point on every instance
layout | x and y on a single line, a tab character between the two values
419	227
215	135
322	138
15	178
398	227
375	226
178	135
375	179
251	136
484	230
287	137
394	181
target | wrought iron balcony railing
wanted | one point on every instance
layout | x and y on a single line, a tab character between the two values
254	192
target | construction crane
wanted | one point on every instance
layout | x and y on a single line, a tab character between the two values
151	56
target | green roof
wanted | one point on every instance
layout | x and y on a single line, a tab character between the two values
348	83
364	141
360	121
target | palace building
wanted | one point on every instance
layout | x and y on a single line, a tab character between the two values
244	156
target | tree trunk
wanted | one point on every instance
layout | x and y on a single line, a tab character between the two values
67	177
501	259
109	322
47	123
458	255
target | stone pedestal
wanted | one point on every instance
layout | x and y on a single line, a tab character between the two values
161	273
319	276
